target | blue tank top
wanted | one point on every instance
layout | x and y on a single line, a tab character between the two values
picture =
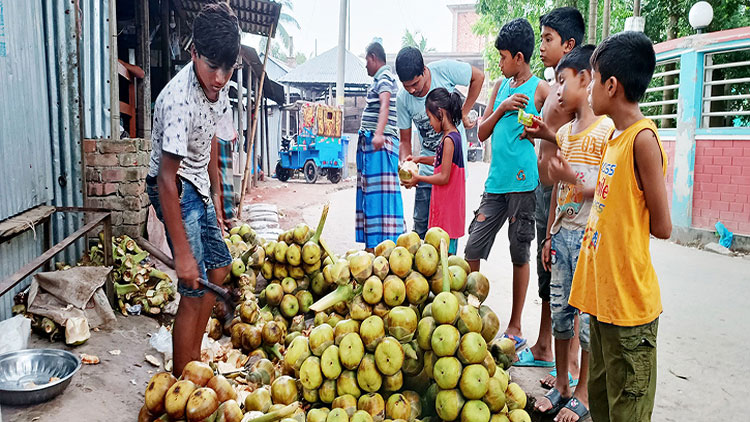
514	164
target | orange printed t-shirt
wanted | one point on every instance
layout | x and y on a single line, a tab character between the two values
614	279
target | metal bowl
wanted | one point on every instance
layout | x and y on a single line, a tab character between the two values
25	375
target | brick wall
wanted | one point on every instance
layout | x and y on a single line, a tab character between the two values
466	40
722	185
116	180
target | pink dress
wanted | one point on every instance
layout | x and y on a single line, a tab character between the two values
448	202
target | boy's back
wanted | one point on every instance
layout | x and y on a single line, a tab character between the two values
615	280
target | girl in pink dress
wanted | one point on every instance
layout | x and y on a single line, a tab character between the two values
448	201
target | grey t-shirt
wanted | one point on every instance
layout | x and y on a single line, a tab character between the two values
184	124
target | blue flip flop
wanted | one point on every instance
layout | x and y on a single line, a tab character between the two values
526	358
520	341
557	401
571	382
577	407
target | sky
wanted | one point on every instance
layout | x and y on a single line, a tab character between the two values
318	20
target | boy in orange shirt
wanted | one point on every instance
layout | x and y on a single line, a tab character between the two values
615	281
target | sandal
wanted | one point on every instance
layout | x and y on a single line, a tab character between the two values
556	400
577	407
520	341
526	358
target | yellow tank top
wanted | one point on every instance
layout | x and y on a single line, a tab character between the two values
614	279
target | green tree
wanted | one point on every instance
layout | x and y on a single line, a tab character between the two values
285	19
415	39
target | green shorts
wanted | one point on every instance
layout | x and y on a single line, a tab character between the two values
622	374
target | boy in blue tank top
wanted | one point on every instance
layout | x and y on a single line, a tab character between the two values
513	176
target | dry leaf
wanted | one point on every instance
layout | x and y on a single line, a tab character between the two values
89	359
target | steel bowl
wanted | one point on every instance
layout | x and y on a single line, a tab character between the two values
25	375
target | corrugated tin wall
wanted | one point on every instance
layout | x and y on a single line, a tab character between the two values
24	136
21	249
95	68
52	67
60	30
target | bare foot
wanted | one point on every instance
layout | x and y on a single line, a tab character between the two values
548	381
542	353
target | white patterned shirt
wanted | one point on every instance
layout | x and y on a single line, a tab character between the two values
184	124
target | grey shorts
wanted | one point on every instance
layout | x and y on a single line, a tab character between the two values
494	210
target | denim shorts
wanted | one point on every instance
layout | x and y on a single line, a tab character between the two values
494	210
201	227
566	244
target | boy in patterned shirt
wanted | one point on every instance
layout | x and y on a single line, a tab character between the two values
183	182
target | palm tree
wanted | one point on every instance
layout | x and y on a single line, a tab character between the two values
410	40
281	30
286	19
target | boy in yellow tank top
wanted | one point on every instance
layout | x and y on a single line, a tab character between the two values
614	280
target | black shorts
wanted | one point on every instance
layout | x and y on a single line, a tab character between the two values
494	210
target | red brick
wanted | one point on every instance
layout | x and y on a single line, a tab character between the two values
709	187
117	146
110	188
699	221
701	160
701	177
93	175
741	180
727	188
723	144
698	168
703	143
720	205
701	203
736	207
712	169
746	171
94	189
113	175
743	189
720	178
731	170
733	152
722	161
741	144
714	151
727	197
742	199
712	196
743	228
741	161
101	160
89	145
710	213
726	216
746	152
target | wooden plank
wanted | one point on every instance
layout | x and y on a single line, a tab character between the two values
24	221
29	268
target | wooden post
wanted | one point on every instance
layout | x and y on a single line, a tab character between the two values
143	60
255	124
166	59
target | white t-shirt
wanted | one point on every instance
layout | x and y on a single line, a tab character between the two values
184	124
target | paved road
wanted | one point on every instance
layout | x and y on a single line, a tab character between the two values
703	339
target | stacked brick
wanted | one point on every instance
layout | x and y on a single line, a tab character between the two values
116	180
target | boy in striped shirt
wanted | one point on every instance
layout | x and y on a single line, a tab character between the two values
575	168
